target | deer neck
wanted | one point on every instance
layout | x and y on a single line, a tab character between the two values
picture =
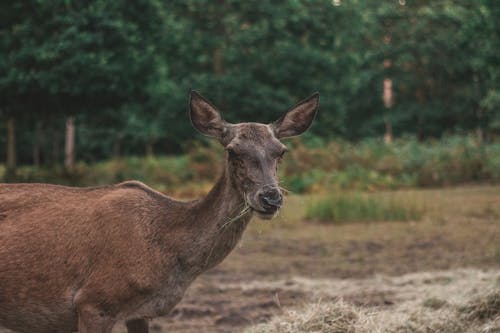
219	222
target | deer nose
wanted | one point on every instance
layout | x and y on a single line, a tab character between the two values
271	198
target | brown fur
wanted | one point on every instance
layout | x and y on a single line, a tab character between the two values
84	258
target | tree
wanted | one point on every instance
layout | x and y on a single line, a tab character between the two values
68	58
439	63
123	70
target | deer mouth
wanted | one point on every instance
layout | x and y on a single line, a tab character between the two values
267	214
263	210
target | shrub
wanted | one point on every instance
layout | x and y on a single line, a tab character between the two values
312	166
356	207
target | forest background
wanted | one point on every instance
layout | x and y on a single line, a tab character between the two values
96	92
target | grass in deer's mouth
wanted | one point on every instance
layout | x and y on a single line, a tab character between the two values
359	207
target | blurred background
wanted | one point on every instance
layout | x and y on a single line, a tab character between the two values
398	174
406	86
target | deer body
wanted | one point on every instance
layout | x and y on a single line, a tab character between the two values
142	242
83	258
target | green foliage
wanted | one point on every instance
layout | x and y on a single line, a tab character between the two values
77	55
334	166
371	164
165	173
357	207
124	69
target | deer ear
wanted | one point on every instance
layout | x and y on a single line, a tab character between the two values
298	119
205	117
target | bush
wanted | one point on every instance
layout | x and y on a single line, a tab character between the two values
312	166
356	207
372	164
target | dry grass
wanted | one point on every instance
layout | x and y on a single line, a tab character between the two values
333	317
473	306
482	308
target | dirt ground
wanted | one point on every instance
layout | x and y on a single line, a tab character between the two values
290	262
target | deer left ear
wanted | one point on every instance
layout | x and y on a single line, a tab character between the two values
206	118
298	119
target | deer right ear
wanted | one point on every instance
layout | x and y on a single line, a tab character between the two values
205	117
297	119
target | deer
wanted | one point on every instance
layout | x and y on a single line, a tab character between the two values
82	259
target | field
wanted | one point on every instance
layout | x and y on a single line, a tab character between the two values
393	243
294	274
438	274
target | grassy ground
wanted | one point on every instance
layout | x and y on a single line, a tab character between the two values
405	274
460	227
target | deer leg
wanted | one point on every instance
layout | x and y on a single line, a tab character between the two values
137	326
91	320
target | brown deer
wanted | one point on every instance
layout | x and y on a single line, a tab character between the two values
84	258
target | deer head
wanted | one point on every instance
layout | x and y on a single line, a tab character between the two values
253	150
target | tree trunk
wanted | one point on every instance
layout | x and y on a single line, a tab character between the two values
388	102
11	145
69	148
388	131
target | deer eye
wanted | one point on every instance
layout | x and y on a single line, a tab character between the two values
235	157
282	153
233	153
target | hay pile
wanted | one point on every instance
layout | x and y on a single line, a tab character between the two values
480	313
336	317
